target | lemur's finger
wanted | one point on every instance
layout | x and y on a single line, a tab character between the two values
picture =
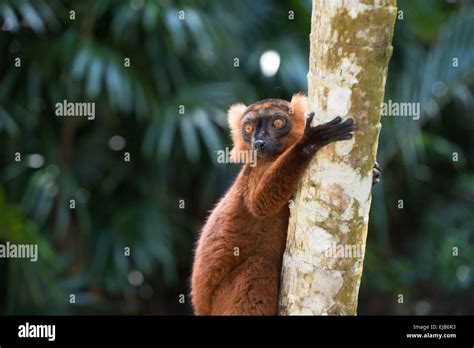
345	136
377	166
333	122
309	119
346	126
329	125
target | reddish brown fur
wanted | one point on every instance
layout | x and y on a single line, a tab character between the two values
253	217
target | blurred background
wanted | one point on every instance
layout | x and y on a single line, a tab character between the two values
156	202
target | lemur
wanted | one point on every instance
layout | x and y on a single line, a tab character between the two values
252	217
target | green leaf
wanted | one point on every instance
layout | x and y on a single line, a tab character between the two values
208	132
32	17
189	138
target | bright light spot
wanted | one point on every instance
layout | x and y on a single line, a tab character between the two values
135	278
269	63
117	143
35	160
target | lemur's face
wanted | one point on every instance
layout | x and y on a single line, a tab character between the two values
269	126
265	126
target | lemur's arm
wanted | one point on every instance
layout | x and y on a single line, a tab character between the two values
280	180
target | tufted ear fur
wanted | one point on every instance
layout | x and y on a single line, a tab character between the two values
234	118
297	112
299	104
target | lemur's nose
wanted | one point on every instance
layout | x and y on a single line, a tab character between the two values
259	144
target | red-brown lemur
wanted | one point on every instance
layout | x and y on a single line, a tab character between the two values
238	258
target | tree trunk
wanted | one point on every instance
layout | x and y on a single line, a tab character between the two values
350	47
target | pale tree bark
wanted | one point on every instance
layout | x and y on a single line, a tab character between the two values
350	47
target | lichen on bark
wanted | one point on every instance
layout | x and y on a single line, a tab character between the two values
350	47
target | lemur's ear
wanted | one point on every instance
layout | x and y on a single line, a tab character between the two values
234	117
298	105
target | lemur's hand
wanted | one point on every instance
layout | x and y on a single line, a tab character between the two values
316	137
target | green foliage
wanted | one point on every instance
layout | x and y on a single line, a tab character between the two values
30	284
429	165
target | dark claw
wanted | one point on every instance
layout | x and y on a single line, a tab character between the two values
376	173
309	119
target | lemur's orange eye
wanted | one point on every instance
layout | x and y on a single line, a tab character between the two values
248	128
278	123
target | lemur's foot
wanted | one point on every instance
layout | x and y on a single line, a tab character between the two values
376	173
